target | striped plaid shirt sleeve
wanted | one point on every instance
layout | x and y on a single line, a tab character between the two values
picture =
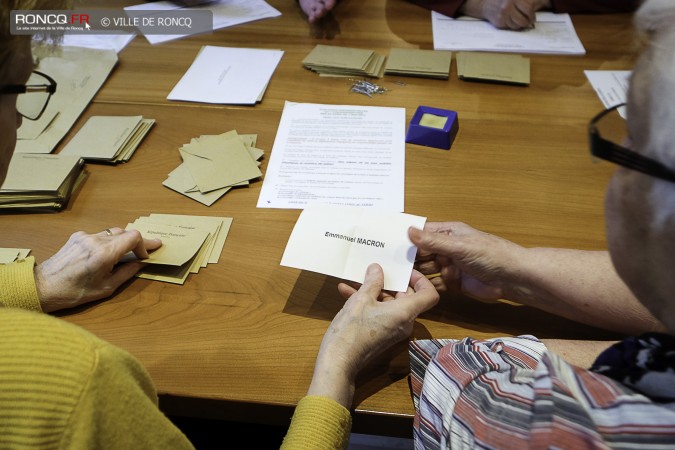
512	393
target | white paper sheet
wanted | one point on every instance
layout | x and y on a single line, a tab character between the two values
101	41
226	13
342	241
236	76
611	86
553	33
337	154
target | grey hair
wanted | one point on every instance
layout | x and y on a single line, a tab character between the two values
655	22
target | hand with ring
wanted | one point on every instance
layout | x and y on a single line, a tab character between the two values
88	267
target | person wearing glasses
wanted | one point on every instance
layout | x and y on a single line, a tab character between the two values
60	386
522	392
86	268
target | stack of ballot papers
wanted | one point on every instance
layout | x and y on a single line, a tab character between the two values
419	63
188	244
108	139
333	61
37	182
214	164
493	67
9	255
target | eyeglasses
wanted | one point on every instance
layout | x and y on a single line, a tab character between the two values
33	96
607	148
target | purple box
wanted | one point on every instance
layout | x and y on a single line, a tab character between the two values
433	127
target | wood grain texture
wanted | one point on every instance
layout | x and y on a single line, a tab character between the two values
239	338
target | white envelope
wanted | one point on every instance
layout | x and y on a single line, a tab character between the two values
226	75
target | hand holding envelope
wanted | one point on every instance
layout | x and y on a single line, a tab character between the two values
342	241
188	243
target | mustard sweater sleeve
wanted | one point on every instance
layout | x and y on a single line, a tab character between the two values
318	423
63	388
17	285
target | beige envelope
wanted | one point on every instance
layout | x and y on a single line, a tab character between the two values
416	62
179	245
215	164
200	258
167	274
134	140
339	57
494	67
181	181
102	137
37	172
249	141
217	226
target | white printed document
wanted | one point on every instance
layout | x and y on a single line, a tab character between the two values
552	33
611	86
226	13
337	154
235	76
342	241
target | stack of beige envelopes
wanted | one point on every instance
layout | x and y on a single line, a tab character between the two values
108	139
40	182
188	244
333	61
414	62
214	164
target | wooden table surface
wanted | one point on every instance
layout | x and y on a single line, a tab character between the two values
238	340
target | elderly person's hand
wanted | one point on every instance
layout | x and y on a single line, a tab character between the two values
509	14
370	322
469	261
87	269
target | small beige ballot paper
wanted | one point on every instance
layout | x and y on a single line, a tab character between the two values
342	241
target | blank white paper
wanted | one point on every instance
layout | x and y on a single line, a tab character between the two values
236	76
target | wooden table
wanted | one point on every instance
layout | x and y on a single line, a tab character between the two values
239	339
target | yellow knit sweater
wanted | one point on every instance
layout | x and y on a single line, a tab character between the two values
63	388
318	423
17	285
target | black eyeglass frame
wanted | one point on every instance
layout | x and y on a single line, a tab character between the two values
28	88
612	152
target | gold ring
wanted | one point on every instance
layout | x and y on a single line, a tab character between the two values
108	232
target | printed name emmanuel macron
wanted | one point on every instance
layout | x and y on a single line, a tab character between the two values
359	240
